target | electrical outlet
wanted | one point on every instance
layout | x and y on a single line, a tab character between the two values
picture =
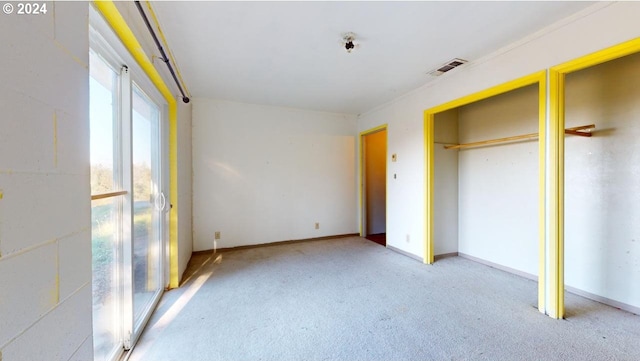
317	225
217	235
408	238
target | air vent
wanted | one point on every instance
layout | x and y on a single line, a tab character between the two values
447	66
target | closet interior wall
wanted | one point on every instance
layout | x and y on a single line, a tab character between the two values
445	195
498	184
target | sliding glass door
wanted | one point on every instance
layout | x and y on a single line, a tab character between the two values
128	205
148	204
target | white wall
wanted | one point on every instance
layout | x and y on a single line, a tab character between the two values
185	194
264	174
602	178
498	184
376	181
603	25
45	235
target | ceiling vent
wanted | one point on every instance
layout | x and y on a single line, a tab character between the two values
447	66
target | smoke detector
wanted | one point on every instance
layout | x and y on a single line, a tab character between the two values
349	42
450	65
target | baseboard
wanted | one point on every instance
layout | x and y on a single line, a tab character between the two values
575	291
606	301
445	255
279	243
500	267
405	253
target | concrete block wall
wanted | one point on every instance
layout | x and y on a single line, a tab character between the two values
45	235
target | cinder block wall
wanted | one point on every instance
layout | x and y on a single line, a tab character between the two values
45	235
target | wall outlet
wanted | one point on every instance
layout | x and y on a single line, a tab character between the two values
317	225
408	238
216	235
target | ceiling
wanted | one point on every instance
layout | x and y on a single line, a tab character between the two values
290	53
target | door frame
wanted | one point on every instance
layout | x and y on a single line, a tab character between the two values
108	45
537	78
361	173
125	36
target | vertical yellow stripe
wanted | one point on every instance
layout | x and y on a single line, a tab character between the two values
542	142
174	277
555	197
560	199
429	158
55	296
55	139
122	30
361	180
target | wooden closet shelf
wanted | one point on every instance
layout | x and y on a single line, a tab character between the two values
583	131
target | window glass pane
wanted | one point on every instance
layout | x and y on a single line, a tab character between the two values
104	227
147	201
105	213
102	83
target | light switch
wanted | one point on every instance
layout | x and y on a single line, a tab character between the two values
394	157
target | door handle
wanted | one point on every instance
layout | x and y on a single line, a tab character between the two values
163	201
160	202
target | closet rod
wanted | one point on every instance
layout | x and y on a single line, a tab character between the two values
583	131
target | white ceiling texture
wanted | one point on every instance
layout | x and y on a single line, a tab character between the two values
291	53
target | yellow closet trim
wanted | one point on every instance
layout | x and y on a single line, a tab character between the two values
490	92
599	57
556	147
429	116
429	150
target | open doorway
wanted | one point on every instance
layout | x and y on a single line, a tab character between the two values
374	184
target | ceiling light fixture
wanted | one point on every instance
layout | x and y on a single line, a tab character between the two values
349	42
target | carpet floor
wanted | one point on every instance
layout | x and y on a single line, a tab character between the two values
350	299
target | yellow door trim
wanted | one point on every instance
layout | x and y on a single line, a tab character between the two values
361	172
556	148
490	92
429	151
599	57
555	198
129	40
542	160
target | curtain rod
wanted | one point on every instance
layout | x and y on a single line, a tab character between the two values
163	55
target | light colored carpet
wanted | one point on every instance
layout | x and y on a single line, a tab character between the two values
351	299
